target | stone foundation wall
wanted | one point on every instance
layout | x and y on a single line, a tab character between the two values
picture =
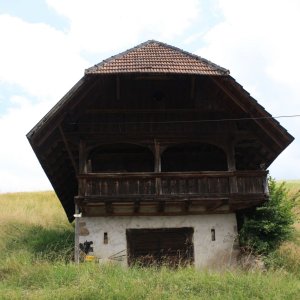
108	235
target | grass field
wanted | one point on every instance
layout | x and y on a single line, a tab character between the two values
292	185
36	244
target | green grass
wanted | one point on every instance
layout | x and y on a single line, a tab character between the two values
36	244
90	281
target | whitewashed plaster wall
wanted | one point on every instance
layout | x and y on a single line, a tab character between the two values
207	253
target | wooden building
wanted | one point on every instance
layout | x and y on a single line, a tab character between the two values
157	149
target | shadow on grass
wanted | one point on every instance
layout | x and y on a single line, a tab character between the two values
49	244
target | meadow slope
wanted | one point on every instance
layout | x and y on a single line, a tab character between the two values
36	244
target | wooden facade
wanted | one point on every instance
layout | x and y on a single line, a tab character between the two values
148	140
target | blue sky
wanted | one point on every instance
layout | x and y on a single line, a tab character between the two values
47	44
34	11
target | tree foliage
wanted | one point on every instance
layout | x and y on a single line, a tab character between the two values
270	224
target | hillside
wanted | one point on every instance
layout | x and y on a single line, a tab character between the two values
36	263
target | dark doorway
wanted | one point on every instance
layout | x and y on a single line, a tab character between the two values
121	158
163	246
193	157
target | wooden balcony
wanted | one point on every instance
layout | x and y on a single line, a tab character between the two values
170	193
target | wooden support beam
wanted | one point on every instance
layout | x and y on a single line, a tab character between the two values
56	114
215	205
146	198
245	108
124	214
68	150
231	166
157	167
158	111
76	250
179	175
82	182
231	155
82	157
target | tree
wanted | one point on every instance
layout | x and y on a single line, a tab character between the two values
270	224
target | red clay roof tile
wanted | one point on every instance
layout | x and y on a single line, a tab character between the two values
157	57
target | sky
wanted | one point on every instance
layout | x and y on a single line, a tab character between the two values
47	44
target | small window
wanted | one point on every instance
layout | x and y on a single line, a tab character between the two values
105	238
213	234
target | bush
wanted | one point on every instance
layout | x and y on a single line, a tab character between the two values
270	224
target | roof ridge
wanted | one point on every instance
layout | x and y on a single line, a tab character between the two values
212	65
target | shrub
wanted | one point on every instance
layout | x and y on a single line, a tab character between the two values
269	225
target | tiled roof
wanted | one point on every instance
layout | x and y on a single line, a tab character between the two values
157	57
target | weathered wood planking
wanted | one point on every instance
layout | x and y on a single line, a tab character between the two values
188	191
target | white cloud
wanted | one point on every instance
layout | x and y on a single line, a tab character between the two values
38	58
20	170
97	26
258	41
257	38
41	62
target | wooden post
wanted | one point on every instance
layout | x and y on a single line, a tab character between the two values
81	192
82	168
231	156
265	185
76	254
68	149
231	166
82	157
157	166
89	166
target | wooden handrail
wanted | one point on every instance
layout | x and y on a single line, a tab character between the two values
182	175
173	183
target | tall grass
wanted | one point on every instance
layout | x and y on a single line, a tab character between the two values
292	185
36	243
32	208
34	225
90	281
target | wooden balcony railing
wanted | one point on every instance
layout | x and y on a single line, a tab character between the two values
214	184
